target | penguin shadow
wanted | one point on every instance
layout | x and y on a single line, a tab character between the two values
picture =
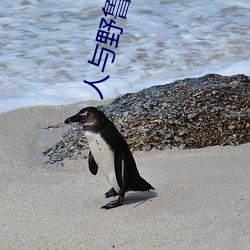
137	198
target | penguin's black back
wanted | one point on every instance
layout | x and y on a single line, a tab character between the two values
132	180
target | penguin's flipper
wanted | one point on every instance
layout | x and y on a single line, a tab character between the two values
111	193
93	167
115	203
118	166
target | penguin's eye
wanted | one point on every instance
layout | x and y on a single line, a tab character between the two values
84	115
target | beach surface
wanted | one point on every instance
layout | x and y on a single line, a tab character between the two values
201	198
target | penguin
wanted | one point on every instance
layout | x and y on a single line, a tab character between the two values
110	152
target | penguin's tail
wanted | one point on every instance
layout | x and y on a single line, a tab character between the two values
141	185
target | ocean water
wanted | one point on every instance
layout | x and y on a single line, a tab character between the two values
45	46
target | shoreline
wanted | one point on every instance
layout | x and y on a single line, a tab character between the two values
201	198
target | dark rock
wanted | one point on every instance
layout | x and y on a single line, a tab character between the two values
190	113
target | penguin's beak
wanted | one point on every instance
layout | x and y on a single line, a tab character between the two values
74	118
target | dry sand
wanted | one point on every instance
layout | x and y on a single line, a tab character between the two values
201	201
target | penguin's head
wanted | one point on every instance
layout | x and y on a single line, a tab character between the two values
88	117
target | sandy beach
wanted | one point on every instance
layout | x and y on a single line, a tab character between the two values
201	198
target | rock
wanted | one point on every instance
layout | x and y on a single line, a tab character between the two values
190	113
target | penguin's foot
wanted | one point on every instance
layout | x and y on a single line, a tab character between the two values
113	204
111	193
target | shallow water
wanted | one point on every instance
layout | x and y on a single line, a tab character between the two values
46	45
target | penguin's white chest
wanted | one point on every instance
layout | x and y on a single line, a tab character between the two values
104	157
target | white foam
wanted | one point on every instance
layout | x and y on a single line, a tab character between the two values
242	67
45	47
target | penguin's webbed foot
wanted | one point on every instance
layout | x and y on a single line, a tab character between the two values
111	193
113	204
